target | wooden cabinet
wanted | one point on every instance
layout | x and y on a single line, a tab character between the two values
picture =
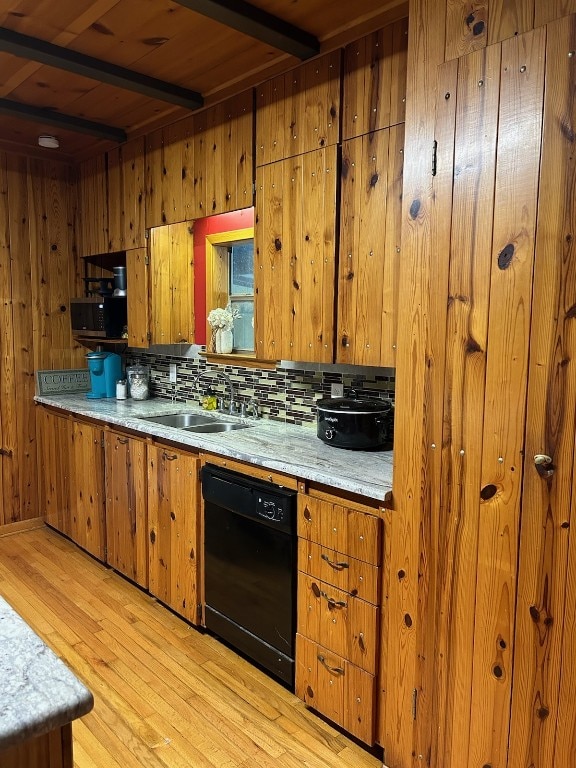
299	111
126	504
339	556
370	224
295	260
160	299
126	196
54	460
87	489
93	206
173	513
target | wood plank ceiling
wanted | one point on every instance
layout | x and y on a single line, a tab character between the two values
157	39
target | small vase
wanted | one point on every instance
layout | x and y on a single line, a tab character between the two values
226	341
218	341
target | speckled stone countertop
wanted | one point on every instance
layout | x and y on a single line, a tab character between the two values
282	447
38	692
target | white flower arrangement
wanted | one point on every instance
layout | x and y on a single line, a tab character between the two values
223	318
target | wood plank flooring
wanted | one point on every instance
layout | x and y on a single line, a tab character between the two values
166	695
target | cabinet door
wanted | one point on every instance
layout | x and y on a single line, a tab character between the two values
173	529
54	456
126	500
126	196
372	167
93	206
172	284
295	258
137	298
87	489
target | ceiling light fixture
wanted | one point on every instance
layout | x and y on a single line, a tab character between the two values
48	141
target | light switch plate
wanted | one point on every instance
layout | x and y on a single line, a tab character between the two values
173	374
337	390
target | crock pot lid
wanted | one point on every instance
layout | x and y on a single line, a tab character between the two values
352	405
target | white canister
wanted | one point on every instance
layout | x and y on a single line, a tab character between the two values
121	389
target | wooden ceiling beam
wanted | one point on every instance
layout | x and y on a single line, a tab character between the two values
68	122
256	23
26	47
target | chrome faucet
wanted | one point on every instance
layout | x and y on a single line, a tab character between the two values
227	380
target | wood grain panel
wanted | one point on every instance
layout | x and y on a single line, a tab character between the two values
374	81
165	161
133	193
342	571
114	200
520	124
93	208
138	297
88	497
543	659
411	608
466	26
173	529
466	333
509	18
304	107
549	10
52	750
126	500
55	456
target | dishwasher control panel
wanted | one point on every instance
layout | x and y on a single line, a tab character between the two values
271	508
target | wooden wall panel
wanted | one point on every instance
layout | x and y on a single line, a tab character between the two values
519	141
93	218
475	139
165	161
299	111
544	651
418	424
466	27
126	196
508	18
138	297
295	258
374	81
549	10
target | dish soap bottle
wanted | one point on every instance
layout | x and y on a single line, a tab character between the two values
209	400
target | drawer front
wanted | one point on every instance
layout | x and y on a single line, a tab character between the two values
348	531
342	571
336	688
344	624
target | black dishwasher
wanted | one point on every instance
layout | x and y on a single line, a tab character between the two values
250	567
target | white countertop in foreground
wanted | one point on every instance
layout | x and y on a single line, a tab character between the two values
282	447
38	692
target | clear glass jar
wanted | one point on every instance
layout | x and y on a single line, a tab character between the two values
139	381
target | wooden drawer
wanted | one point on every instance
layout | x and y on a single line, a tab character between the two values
349	531
336	688
342	623
355	577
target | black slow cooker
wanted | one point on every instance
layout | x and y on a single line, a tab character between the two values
354	423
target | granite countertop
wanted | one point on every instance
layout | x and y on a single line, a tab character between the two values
38	692
286	448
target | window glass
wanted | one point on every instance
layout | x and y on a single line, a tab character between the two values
244	325
242	269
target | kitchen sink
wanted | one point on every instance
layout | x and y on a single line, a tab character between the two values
180	420
218	426
195	422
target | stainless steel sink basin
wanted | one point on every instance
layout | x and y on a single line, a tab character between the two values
180	420
218	426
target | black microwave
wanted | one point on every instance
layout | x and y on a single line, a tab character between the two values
99	316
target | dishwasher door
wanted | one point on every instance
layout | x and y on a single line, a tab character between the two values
250	567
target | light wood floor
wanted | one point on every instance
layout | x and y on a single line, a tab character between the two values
167	696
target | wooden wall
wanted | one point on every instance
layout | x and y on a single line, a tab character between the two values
38	273
480	647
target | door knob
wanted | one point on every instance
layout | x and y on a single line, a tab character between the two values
544	465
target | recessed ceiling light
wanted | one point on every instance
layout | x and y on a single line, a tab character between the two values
48	141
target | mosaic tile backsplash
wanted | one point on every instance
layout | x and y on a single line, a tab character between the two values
284	394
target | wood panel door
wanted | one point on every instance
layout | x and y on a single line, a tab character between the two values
93	206
138	297
173	530
126	196
126	503
172	284
54	459
295	262
368	266
88	496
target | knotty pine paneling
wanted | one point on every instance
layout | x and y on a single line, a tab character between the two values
543	718
466	26
295	257
474	141
126	196
299	111
411	609
93	207
508	18
374	81
549	10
